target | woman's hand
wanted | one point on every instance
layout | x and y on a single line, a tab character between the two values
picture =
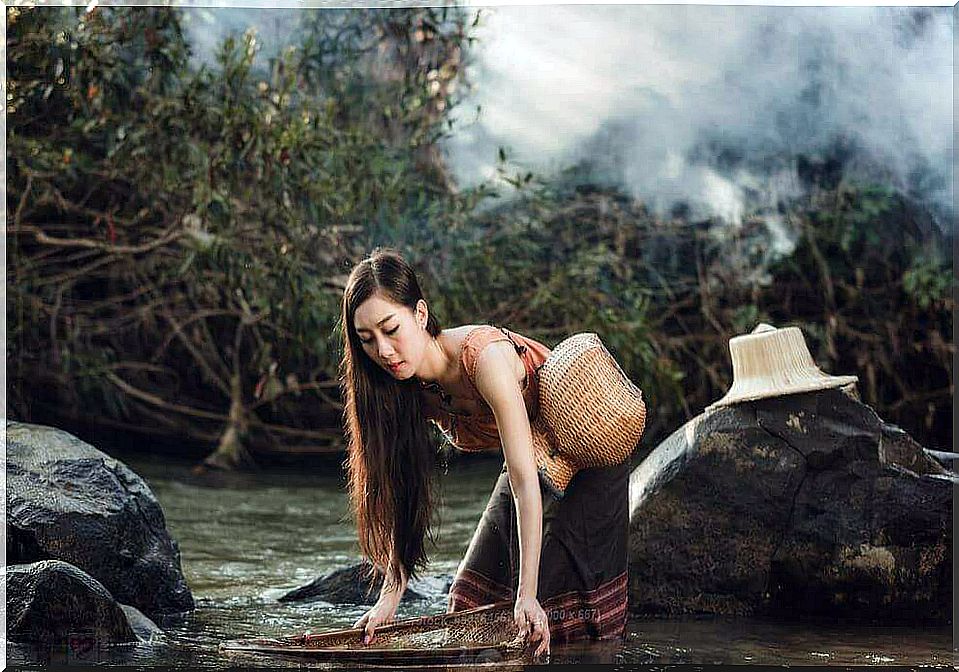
531	620
381	613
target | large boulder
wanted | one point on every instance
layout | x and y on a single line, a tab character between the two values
68	501
52	601
351	585
801	506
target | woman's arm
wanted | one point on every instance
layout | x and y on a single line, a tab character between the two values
384	610
496	380
390	587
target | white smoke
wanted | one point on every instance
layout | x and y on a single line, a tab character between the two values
710	105
207	27
703	105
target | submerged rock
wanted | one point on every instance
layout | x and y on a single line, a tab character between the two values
145	629
805	505
68	501
52	601
351	585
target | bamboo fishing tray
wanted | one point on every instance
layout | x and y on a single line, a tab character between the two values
486	634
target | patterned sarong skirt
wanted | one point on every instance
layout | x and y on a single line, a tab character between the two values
582	577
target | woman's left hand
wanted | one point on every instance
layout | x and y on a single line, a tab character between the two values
531	619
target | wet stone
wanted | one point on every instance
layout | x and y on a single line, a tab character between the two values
800	506
68	501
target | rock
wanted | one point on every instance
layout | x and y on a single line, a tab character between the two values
68	501
52	601
801	506
145	629
432	586
349	585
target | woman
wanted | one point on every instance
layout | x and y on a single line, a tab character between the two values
478	383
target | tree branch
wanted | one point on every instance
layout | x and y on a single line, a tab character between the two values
171	235
200	359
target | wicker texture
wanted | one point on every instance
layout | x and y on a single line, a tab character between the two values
590	413
487	632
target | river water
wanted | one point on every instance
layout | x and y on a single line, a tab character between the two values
248	539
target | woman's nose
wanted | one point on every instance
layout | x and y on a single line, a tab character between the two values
384	349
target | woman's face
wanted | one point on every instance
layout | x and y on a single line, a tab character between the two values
392	335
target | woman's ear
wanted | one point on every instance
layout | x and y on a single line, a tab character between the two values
422	313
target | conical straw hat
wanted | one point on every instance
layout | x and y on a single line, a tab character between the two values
773	362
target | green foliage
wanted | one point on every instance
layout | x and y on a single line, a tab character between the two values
745	318
861	217
929	282
174	230
869	283
215	210
549	264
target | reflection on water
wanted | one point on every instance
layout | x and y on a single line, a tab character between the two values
250	539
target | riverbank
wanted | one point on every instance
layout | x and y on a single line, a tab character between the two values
253	537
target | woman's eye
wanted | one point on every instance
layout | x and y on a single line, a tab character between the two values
392	331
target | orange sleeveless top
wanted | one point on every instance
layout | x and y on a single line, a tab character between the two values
478	432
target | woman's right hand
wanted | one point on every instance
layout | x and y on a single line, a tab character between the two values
380	614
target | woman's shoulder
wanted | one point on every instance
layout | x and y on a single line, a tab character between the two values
459	333
476	340
467	336
471	339
473	335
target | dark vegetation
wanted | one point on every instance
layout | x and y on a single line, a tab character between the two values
178	238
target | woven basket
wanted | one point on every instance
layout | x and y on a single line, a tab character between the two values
483	635
590	413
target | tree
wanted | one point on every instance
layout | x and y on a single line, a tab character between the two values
179	236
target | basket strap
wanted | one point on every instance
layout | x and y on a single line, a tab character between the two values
520	349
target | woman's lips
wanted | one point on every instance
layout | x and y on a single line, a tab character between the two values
395	367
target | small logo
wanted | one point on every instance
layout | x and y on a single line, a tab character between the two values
82	647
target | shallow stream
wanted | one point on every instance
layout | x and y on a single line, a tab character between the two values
249	539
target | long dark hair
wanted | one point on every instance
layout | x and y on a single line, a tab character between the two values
390	457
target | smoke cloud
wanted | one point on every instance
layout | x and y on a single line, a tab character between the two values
705	106
710	105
